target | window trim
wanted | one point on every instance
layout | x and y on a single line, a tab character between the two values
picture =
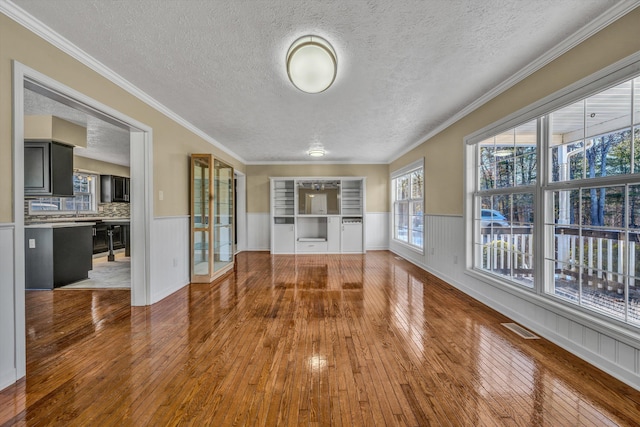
610	76
418	164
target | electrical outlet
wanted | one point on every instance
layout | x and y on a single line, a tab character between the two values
175	262
160	195
455	259
32	243
433	251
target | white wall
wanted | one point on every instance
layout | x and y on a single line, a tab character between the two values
605	347
8	371
376	232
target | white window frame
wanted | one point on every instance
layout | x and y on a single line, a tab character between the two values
406	170
93	199
610	76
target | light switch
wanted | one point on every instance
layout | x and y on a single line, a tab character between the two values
160	195
32	243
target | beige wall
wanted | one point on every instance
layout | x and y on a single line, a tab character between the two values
171	142
258	182
444	152
97	166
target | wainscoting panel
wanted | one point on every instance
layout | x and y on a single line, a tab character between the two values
377	231
258	234
170	256
8	371
605	346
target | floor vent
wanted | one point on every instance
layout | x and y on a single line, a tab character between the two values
527	335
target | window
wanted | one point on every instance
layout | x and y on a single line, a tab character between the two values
584	249
408	202
503	218
84	200
592	199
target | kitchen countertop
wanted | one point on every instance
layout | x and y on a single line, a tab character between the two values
77	220
60	225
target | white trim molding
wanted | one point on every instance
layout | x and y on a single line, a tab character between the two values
10	353
141	205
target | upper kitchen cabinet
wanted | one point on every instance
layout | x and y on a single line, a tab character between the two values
114	189
48	155
48	169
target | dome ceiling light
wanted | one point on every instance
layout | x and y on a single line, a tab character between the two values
311	64
316	150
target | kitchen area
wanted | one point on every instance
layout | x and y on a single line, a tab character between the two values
77	199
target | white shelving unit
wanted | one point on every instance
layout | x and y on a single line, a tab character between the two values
317	215
283	198
351	196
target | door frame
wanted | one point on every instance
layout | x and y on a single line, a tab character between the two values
141	167
240	213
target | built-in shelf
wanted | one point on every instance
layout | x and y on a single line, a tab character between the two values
284	198
317	215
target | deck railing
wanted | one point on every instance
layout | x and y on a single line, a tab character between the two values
508	250
604	260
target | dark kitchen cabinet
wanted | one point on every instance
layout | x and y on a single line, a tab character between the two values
48	169
118	237
57	256
101	237
114	189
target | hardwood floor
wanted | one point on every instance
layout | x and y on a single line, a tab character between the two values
309	340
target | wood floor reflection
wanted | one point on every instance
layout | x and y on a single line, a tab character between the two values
309	340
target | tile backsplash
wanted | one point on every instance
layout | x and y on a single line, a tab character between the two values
105	210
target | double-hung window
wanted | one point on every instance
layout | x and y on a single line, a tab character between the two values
592	225
575	167
83	201
408	205
504	199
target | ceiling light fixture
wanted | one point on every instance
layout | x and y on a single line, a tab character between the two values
316	152
311	64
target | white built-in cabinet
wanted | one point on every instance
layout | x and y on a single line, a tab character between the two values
317	215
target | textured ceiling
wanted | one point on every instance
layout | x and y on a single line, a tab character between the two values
105	141
404	67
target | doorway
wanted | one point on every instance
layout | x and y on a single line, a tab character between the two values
141	185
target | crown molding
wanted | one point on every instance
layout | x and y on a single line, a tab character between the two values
312	162
37	27
614	13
